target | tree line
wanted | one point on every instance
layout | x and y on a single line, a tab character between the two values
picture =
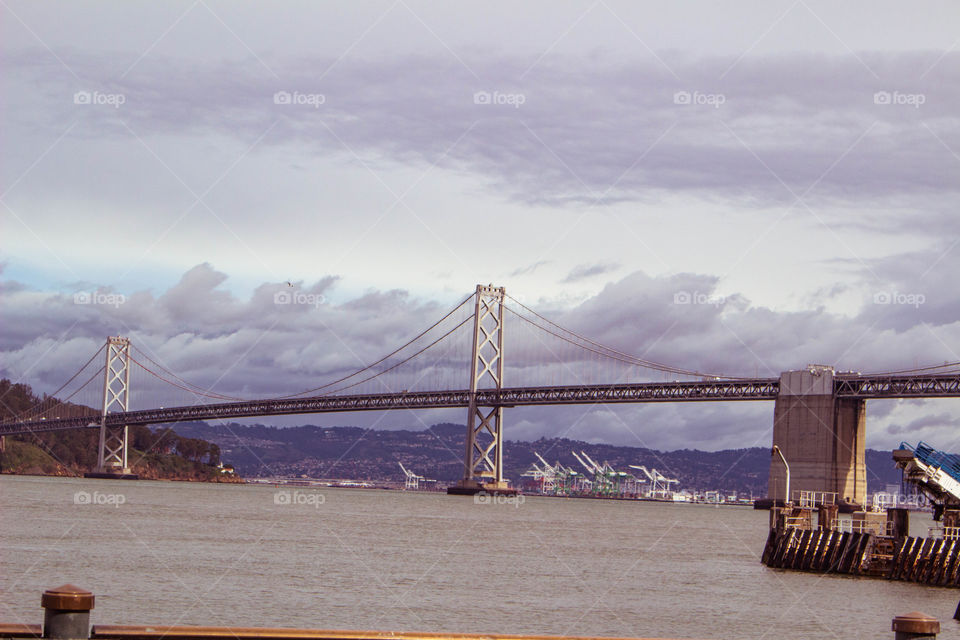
79	446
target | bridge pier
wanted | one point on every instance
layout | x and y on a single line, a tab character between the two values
821	436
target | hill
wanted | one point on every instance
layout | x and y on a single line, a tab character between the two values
153	454
437	452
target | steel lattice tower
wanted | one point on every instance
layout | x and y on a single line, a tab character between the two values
116	396
483	458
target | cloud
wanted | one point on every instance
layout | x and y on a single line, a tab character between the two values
925	423
528	269
584	271
269	345
794	130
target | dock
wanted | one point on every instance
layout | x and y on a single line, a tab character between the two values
67	611
877	545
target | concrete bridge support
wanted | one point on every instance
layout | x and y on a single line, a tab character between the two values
821	437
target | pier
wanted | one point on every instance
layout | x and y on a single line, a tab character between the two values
67	612
809	537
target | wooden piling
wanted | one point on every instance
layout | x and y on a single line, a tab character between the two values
769	547
823	552
783	546
846	558
950	571
837	553
919	562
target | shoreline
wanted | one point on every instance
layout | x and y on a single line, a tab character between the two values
323	484
81	476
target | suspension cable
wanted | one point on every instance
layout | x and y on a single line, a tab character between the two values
612	353
65	400
74	376
208	393
193	391
946	365
386	357
196	388
408	359
584	347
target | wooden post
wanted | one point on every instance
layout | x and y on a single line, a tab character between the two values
899	520
826	514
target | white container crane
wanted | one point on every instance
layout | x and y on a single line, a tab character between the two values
412	480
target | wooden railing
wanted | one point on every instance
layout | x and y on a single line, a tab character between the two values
67	617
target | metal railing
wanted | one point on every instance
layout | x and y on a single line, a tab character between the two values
877	528
908	386
798	522
944	533
703	391
813	499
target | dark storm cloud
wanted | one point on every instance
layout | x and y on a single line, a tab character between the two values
763	134
205	334
916	288
258	347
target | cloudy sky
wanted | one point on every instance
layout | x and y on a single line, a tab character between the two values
790	170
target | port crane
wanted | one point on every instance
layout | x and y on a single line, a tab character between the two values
659	483
412	480
607	480
556	479
598	480
545	476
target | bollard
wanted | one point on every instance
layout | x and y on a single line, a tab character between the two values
915	625
826	516
66	614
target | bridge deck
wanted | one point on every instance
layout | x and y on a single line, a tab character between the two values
866	387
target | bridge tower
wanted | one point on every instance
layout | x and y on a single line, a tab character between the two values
483	458
112	457
821	437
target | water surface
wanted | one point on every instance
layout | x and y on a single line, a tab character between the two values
183	553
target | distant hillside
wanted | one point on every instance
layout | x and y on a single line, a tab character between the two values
153	454
353	452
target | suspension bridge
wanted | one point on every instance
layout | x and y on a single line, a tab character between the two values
819	414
